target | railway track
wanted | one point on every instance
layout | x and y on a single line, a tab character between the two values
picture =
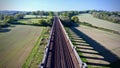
60	53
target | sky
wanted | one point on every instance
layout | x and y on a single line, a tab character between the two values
59	5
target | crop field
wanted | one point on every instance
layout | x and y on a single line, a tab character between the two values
108	40
98	22
16	43
93	45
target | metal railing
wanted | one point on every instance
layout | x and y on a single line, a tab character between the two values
47	48
81	64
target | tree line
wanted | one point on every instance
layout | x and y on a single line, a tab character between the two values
106	15
52	13
5	20
68	18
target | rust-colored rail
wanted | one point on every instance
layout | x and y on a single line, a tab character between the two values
60	53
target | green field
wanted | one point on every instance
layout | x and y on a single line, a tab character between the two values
33	16
28	21
31	19
30	16
16	42
98	22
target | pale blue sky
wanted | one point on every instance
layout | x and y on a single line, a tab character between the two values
59	5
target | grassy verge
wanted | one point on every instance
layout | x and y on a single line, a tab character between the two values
100	28
37	52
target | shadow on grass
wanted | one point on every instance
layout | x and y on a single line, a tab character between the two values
2	30
85	48
102	51
33	24
6	28
89	52
97	64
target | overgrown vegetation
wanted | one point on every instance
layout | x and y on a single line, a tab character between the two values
37	52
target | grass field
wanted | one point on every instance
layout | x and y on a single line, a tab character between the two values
98	22
16	43
29	21
32	16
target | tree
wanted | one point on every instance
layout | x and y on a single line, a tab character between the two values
66	21
19	16
50	13
1	17
34	13
41	13
8	19
42	22
49	21
105	15
75	19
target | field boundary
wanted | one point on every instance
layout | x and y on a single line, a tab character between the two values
34	50
99	28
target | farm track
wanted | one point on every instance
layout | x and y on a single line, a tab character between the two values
60	53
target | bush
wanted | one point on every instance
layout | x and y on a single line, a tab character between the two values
49	21
42	22
75	19
8	19
66	21
2	24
